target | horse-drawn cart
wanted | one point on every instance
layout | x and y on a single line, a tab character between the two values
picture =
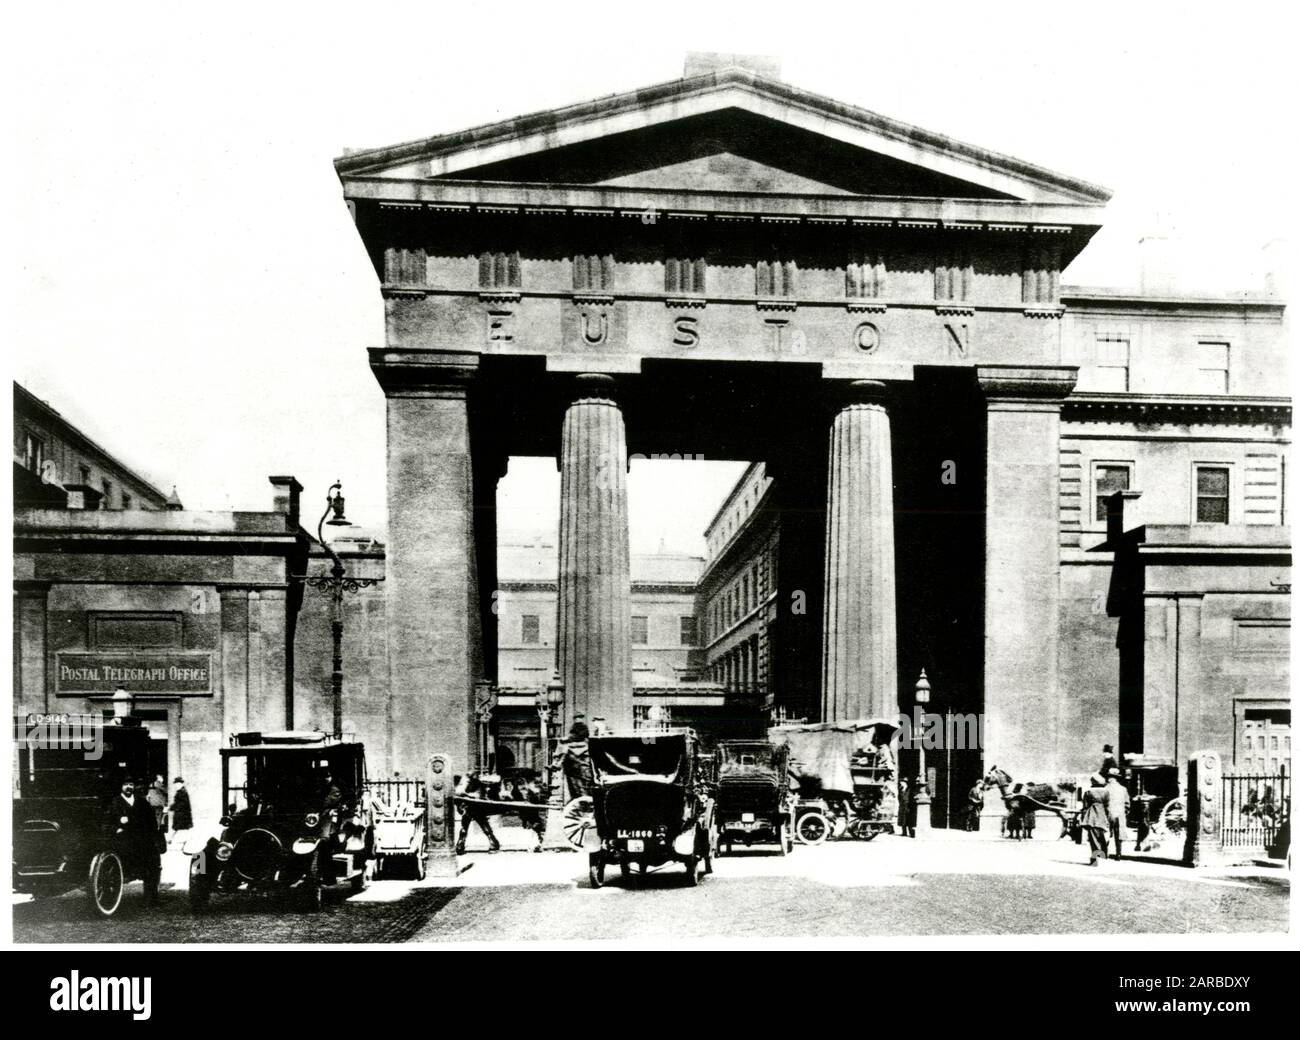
846	778
398	809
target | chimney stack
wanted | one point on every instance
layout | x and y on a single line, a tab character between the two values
287	495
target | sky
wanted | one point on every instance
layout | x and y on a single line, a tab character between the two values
186	284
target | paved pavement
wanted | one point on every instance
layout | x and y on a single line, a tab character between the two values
892	886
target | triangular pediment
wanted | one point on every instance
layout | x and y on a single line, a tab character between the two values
729	131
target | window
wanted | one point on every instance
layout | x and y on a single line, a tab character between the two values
1107	478
126	500
744	594
108	495
688	630
1211	494
33	452
1211	368
531	629
640	630
85	475
499	270
1112	365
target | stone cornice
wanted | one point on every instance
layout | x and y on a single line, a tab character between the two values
930	215
423	373
1047	383
1273	411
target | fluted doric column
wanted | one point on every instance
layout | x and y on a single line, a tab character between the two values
859	656
595	594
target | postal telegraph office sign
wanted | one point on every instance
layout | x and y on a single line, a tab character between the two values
89	673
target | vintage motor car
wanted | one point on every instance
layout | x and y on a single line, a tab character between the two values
754	804
649	806
846	777
70	768
296	819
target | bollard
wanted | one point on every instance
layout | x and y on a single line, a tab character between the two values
440	819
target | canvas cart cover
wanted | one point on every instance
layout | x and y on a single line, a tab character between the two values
824	750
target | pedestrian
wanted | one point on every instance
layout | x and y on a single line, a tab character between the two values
182	816
156	796
579	776
477	787
974	806
533	819
906	808
1093	820
1108	760
1117	806
132	822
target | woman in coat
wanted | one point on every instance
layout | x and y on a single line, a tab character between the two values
1093	820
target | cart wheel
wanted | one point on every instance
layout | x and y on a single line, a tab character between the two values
783	837
813	828
200	885
421	868
692	871
596	870
868	835
106	881
708	852
789	837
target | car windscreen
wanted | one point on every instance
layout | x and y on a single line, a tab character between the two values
746	760
296	780
631	756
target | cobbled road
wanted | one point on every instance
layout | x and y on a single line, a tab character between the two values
888	887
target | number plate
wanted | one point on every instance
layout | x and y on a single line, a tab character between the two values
747	817
635	845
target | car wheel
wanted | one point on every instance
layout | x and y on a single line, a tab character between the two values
692	871
813	828
200	885
783	837
625	867
596	870
358	883
106	881
708	852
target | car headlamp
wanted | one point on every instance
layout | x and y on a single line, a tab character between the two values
224	851
312	820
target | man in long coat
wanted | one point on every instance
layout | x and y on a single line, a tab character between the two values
132	822
1117	805
1093	820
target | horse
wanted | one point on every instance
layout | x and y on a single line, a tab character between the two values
1024	800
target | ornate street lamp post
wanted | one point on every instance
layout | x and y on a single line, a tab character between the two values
548	706
336	583
922	794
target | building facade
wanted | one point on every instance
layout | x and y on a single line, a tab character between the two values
53	458
192	614
729	266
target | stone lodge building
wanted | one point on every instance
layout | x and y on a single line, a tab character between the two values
731	266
